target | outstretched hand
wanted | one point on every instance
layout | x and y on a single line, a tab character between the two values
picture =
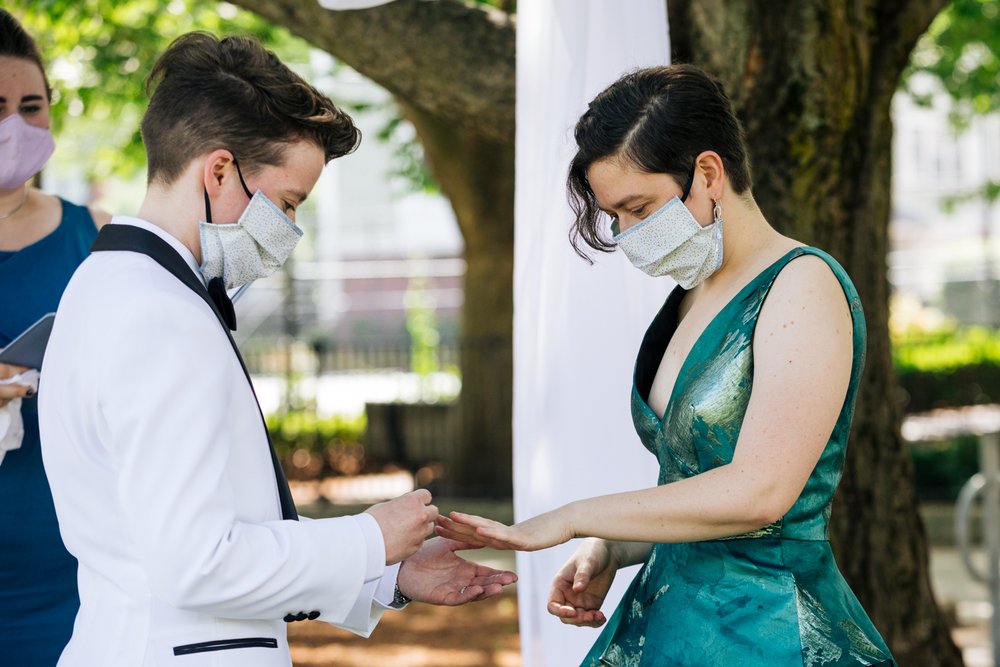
541	532
437	575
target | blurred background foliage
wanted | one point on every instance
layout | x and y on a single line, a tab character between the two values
961	52
98	54
961	49
948	367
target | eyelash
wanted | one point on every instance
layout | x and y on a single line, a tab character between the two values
32	109
289	207
638	212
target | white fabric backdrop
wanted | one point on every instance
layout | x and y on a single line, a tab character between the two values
576	327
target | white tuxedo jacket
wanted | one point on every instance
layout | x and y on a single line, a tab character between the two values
165	491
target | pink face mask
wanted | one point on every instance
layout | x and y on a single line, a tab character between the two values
24	150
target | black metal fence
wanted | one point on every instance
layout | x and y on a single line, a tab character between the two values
299	357
424	436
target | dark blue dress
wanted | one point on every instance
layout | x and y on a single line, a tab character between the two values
38	596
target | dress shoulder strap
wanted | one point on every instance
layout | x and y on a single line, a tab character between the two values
766	280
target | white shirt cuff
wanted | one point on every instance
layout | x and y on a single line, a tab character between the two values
386	591
375	546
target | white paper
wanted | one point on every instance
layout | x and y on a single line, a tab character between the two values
11	422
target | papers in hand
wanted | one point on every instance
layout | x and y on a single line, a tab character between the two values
11	423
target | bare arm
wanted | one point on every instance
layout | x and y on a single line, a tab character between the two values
803	353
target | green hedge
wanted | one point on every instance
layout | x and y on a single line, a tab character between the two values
310	447
948	368
291	431
942	468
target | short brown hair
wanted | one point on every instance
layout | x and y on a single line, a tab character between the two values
232	93
17	43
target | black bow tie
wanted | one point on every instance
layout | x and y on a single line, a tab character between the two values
217	290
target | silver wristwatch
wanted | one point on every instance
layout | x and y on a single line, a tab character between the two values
398	599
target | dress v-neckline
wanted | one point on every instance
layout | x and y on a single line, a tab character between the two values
690	353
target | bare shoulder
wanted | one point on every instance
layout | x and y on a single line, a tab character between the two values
807	284
806	314
100	216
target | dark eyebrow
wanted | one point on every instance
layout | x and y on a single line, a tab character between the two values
622	204
26	98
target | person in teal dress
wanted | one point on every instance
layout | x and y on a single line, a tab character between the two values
43	238
744	390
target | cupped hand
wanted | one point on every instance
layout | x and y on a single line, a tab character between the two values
405	523
437	575
579	588
8	392
541	532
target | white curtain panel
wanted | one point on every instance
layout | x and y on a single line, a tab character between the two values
576	327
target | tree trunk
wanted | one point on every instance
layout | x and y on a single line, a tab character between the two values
451	68
813	81
477	176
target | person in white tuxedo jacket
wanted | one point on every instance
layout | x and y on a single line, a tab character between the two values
163	476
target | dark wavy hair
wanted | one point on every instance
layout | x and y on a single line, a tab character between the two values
658	119
17	43
232	93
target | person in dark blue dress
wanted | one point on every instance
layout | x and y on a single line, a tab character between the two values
43	238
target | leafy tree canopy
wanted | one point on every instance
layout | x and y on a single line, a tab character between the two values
961	50
99	52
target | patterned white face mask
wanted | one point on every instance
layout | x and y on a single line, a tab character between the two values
671	242
253	247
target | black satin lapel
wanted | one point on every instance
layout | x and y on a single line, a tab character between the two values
135	239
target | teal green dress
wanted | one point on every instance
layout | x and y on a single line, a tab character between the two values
773	597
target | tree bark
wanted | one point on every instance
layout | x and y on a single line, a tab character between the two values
813	81
450	59
477	175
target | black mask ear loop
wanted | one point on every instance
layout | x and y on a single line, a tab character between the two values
242	182
687	188
208	205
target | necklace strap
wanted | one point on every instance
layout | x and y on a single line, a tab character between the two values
24	199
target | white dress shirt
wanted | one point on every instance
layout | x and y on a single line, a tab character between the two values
164	487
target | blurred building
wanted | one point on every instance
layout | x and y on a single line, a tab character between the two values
943	238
